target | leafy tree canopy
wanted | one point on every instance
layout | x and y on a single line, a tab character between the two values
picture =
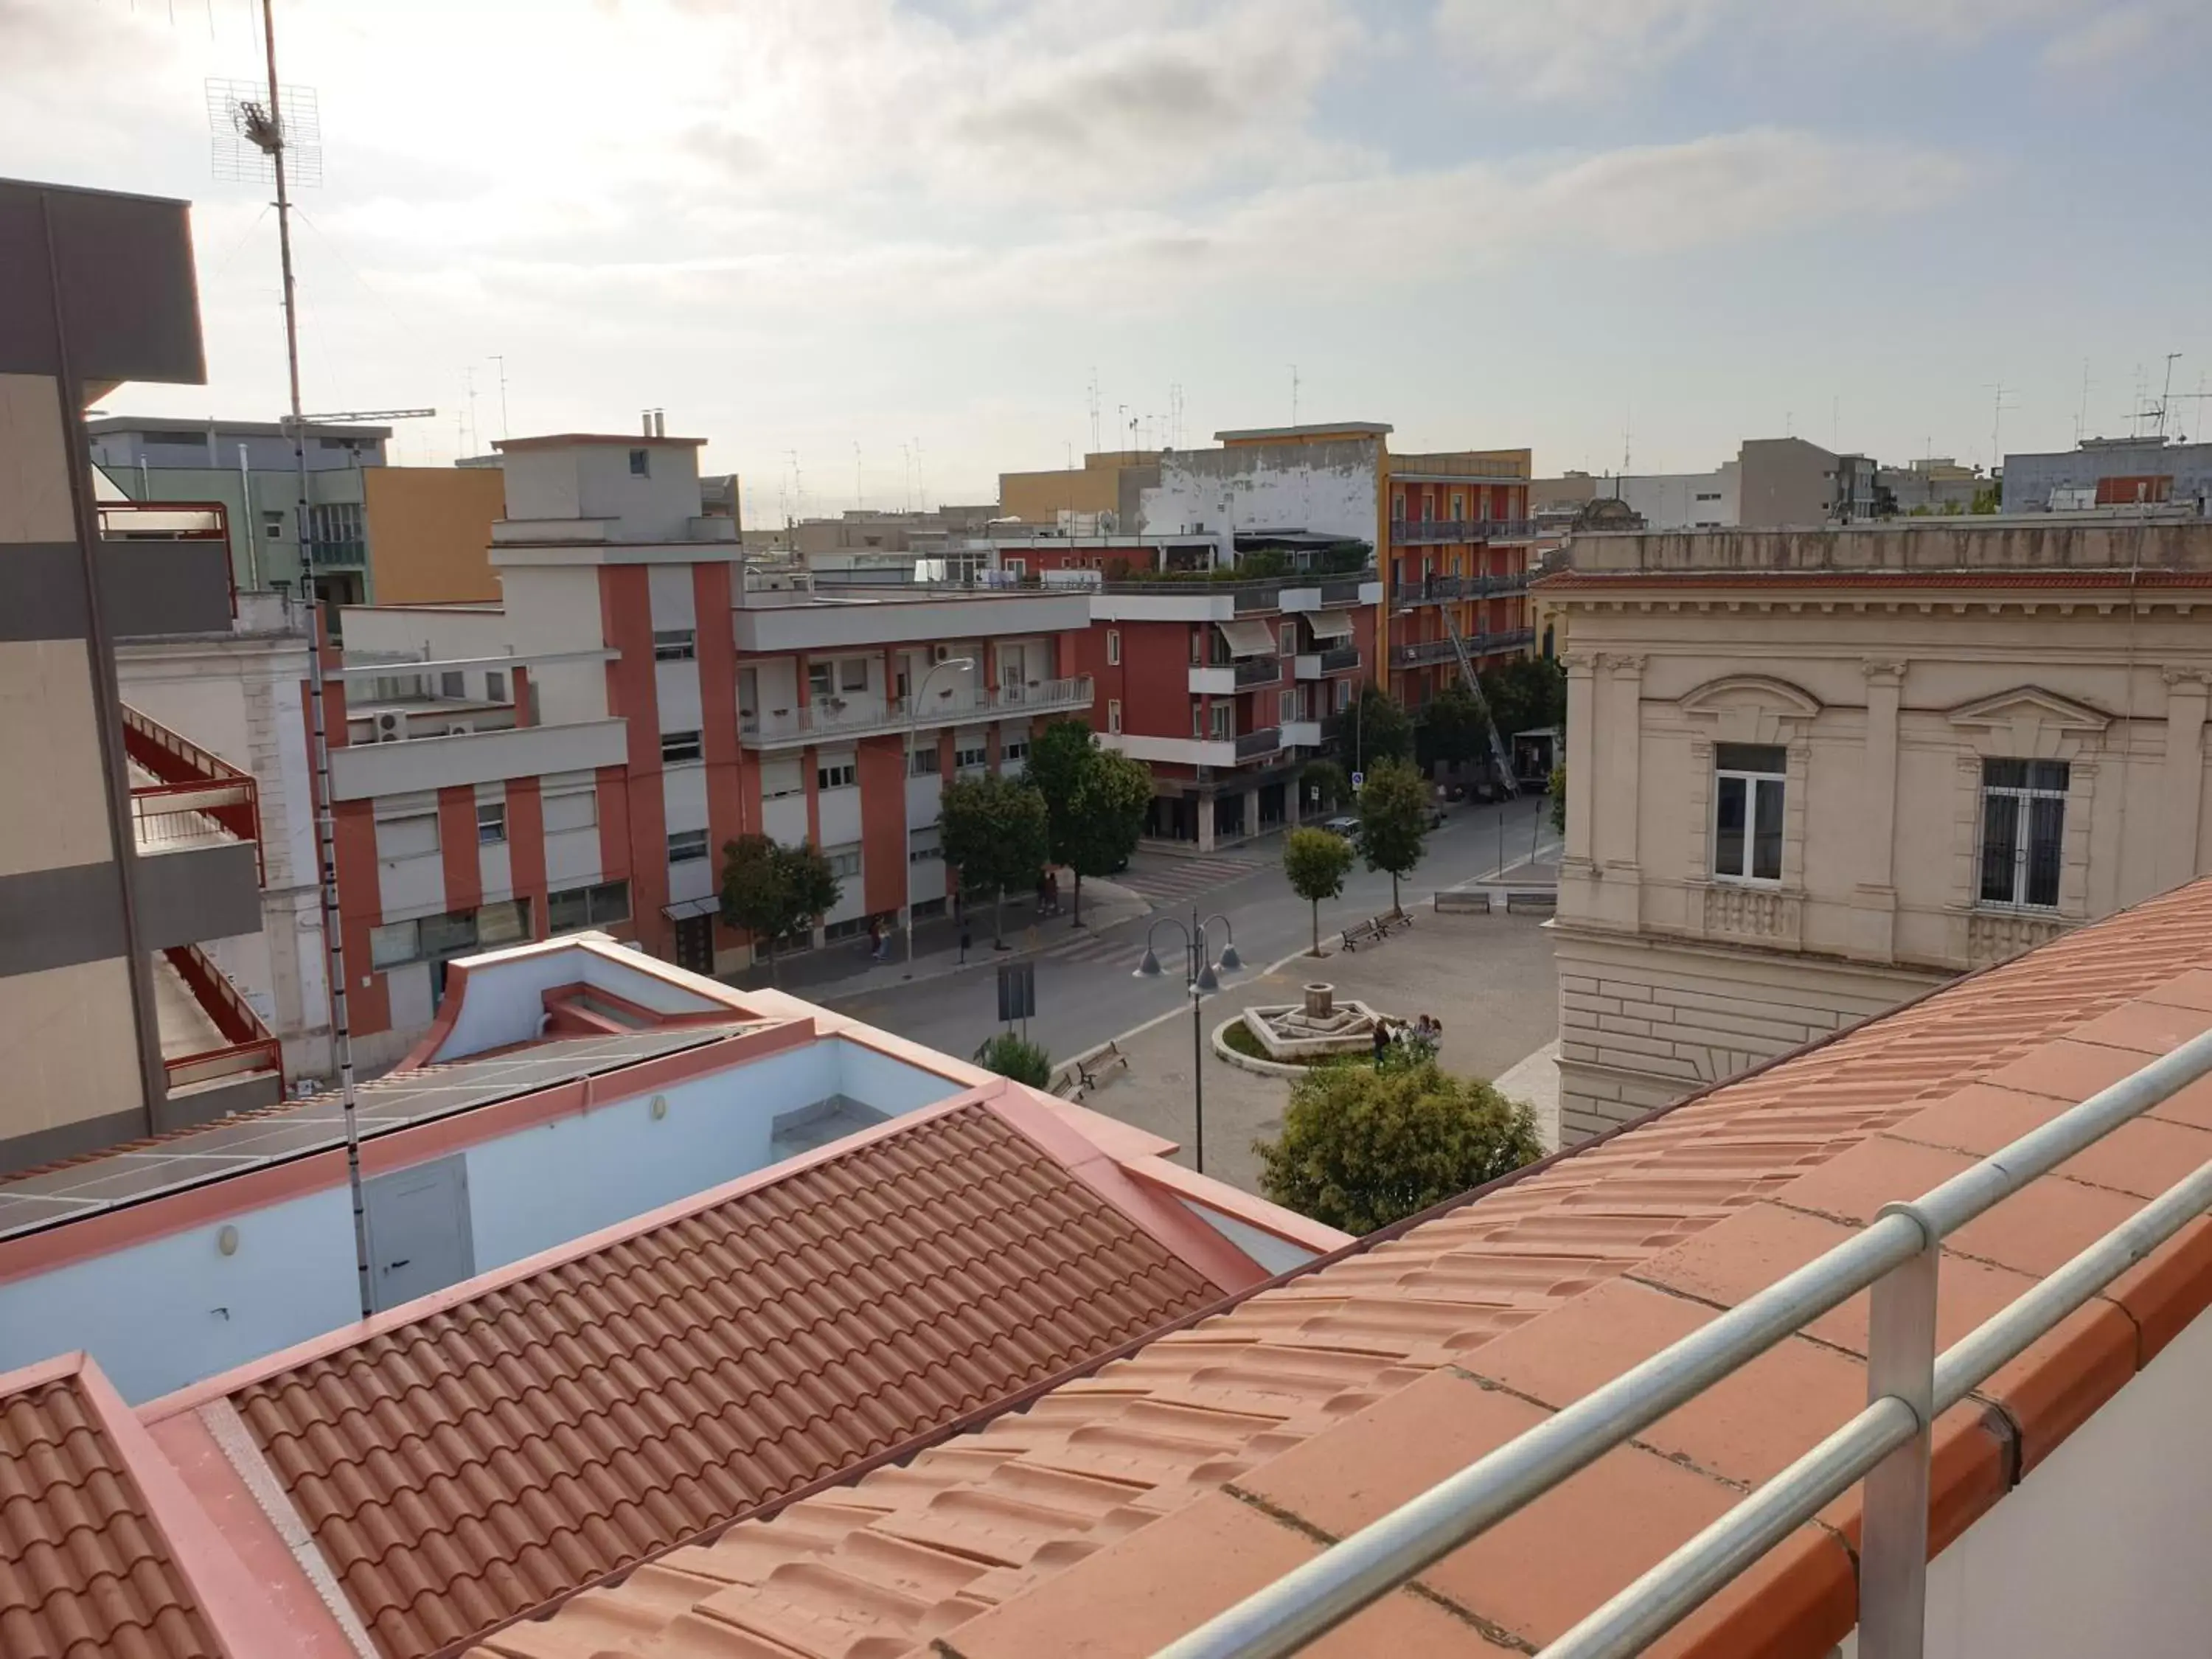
996	835
1373	727
1361	1148
1393	820
1315	862
775	892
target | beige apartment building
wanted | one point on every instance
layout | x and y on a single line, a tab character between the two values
1811	773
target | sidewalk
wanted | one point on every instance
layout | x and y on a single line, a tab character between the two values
843	969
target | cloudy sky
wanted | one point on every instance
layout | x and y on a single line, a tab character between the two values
919	226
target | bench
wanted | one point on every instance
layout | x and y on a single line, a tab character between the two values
1374	929
1471	901
1520	899
1086	1072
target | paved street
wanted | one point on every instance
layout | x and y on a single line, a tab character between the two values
1086	992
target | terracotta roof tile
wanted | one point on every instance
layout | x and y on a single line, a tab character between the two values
85	1569
520	1440
1313	1404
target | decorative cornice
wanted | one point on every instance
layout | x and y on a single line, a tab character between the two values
1882	670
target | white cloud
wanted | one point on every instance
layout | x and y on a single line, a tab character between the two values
1573	48
1570	50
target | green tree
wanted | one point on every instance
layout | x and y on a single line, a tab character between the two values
1094	801
1012	1055
1558	787
1990	498
997	837
1327	779
1455	727
1361	1148
775	892
1526	694
1317	862
1373	727
1394	821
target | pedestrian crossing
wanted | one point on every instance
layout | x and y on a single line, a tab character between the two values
1165	880
1098	947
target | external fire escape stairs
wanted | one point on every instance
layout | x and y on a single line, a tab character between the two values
1499	759
182	796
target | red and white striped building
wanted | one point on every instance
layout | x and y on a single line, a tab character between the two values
579	754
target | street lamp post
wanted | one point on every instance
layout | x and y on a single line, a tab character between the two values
906	784
1199	980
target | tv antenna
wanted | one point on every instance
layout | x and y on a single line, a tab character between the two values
244	136
501	362
1998	407
274	131
1094	407
1294	394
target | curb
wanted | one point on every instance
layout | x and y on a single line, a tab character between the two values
1245	1062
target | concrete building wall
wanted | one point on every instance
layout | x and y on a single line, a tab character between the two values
1884	710
1784	482
429	529
1110	481
2166	471
1332	487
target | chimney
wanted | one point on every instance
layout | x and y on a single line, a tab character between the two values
659	423
647	416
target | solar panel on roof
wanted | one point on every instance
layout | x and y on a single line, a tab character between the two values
88	1186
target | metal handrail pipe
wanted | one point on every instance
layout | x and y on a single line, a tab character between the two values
2006	1334
1678	1586
1316	1597
1323	1593
2004	1172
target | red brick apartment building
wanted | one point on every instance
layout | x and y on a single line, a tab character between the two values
579	754
1225	684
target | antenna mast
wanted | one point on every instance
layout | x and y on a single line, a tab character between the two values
264	129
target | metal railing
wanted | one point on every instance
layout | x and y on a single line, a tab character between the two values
1423	651
857	714
1258	671
1341	658
198	796
1909	1386
1424	532
1266	741
1434	590
249	1044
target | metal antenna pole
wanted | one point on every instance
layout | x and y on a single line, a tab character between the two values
325	827
501	362
1197	961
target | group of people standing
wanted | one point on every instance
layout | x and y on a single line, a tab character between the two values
1418	1038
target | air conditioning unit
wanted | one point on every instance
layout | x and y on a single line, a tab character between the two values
390	726
460	729
940	654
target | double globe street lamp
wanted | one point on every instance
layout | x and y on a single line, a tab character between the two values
1201	978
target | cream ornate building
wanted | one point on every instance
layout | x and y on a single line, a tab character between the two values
1812	773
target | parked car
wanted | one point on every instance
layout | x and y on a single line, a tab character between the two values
1345	824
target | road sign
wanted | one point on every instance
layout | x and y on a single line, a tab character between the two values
1016	991
1358	779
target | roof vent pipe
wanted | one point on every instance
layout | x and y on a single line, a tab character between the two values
647	416
659	423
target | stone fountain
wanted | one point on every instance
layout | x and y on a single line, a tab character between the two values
1298	1033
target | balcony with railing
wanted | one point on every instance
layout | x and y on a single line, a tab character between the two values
196	824
1437	590
1258	671
209	1032
1429	533
1252	744
165	567
183	797
864	716
1421	652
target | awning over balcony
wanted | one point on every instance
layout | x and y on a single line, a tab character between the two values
1248	639
684	909
1330	624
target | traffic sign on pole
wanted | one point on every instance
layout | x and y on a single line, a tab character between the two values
1358	779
